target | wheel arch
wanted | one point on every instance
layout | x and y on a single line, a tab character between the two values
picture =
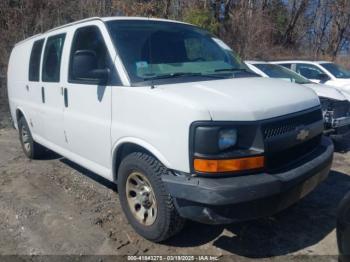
18	114
127	146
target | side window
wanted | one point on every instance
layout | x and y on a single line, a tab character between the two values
89	57
52	58
309	71
34	62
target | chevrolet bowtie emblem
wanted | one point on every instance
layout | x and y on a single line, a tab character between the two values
303	134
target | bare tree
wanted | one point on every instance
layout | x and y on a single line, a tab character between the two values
297	10
339	27
254	28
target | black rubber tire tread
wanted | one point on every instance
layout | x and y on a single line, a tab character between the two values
168	222
37	151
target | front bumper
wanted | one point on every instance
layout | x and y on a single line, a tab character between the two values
231	199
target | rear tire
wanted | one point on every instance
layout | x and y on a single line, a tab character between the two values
154	217
31	149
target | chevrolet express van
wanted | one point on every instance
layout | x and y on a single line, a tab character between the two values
169	113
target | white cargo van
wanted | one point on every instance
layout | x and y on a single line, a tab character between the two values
169	113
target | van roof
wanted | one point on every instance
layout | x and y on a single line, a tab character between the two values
103	19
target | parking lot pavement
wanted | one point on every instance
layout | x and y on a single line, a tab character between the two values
53	206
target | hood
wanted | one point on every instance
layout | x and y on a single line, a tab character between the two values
326	91
343	86
242	99
343	82
346	94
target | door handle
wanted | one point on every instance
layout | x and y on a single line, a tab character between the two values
43	95
65	95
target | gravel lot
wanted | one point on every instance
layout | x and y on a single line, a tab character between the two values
54	207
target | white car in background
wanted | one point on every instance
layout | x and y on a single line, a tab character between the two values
335	105
320	72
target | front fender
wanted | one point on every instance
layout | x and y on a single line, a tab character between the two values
141	143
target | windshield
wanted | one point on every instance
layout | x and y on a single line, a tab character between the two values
276	71
337	70
156	50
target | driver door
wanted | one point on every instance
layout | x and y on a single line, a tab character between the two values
87	114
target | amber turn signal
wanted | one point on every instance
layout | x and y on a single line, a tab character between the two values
228	165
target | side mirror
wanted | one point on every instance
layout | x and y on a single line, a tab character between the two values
323	77
85	67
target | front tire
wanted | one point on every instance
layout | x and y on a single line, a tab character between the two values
30	148
144	199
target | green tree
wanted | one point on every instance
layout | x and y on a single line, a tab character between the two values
278	15
202	18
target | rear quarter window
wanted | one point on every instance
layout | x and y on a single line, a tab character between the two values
34	62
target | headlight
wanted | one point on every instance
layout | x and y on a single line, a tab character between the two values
227	138
225	147
213	140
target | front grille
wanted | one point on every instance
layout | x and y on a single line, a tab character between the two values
341	108
277	161
283	131
335	108
280	127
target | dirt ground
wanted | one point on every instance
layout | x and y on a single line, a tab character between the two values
54	207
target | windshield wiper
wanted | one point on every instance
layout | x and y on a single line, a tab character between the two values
232	70
172	75
241	70
179	74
